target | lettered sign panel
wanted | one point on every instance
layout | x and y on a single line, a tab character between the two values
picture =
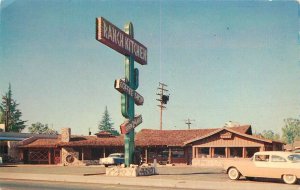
122	87
127	126
113	37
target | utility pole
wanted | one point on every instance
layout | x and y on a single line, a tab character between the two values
163	99
189	122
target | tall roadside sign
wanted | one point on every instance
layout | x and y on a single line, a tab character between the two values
124	43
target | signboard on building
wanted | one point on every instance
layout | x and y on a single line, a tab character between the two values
113	37
226	135
128	125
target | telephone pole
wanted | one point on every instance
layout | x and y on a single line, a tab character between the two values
189	122
163	99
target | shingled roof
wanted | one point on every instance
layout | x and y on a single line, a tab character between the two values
95	141
40	143
150	137
76	141
146	137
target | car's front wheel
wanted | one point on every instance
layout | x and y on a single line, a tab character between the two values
234	174
289	178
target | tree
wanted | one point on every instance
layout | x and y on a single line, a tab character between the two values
106	124
1	116
269	134
11	115
39	128
291	130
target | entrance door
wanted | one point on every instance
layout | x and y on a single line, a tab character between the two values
56	156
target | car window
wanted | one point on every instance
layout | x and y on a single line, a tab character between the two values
262	158
275	158
294	157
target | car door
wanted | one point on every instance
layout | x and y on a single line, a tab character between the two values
262	165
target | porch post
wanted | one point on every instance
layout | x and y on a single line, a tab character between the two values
104	152
244	152
170	155
211	152
49	156
197	152
193	152
146	155
226	152
82	154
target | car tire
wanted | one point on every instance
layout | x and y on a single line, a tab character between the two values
234	174
289	178
105	165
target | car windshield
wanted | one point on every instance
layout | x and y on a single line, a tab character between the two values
294	157
114	155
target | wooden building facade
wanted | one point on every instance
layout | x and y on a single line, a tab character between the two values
166	146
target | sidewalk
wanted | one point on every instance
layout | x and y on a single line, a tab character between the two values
146	181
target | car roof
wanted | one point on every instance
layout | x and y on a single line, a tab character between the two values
279	153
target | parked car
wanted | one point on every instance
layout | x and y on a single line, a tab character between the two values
268	164
297	151
112	159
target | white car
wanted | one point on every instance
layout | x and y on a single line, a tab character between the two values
268	164
112	159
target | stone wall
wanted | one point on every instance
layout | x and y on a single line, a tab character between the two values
12	149
91	162
70	158
132	171
212	162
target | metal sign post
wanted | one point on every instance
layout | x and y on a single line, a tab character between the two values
124	42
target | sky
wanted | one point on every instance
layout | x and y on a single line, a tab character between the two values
222	61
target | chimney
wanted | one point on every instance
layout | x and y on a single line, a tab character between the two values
2	127
65	134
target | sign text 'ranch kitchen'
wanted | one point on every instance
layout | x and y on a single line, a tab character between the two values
113	37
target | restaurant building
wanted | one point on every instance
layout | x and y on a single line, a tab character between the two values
196	146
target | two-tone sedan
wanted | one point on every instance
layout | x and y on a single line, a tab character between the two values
268	164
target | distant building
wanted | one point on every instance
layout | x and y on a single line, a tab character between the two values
166	146
294	146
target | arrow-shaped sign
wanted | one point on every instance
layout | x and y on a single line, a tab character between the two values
128	125
122	87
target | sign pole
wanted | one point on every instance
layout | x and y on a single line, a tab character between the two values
129	101
124	43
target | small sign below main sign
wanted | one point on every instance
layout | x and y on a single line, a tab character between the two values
122	87
113	37
128	125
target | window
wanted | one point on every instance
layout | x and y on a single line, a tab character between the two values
219	152
178	153
294	157
262	158
275	158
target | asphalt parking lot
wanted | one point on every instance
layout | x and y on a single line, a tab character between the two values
171	172
185	177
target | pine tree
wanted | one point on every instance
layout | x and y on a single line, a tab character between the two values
106	124
39	128
11	116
